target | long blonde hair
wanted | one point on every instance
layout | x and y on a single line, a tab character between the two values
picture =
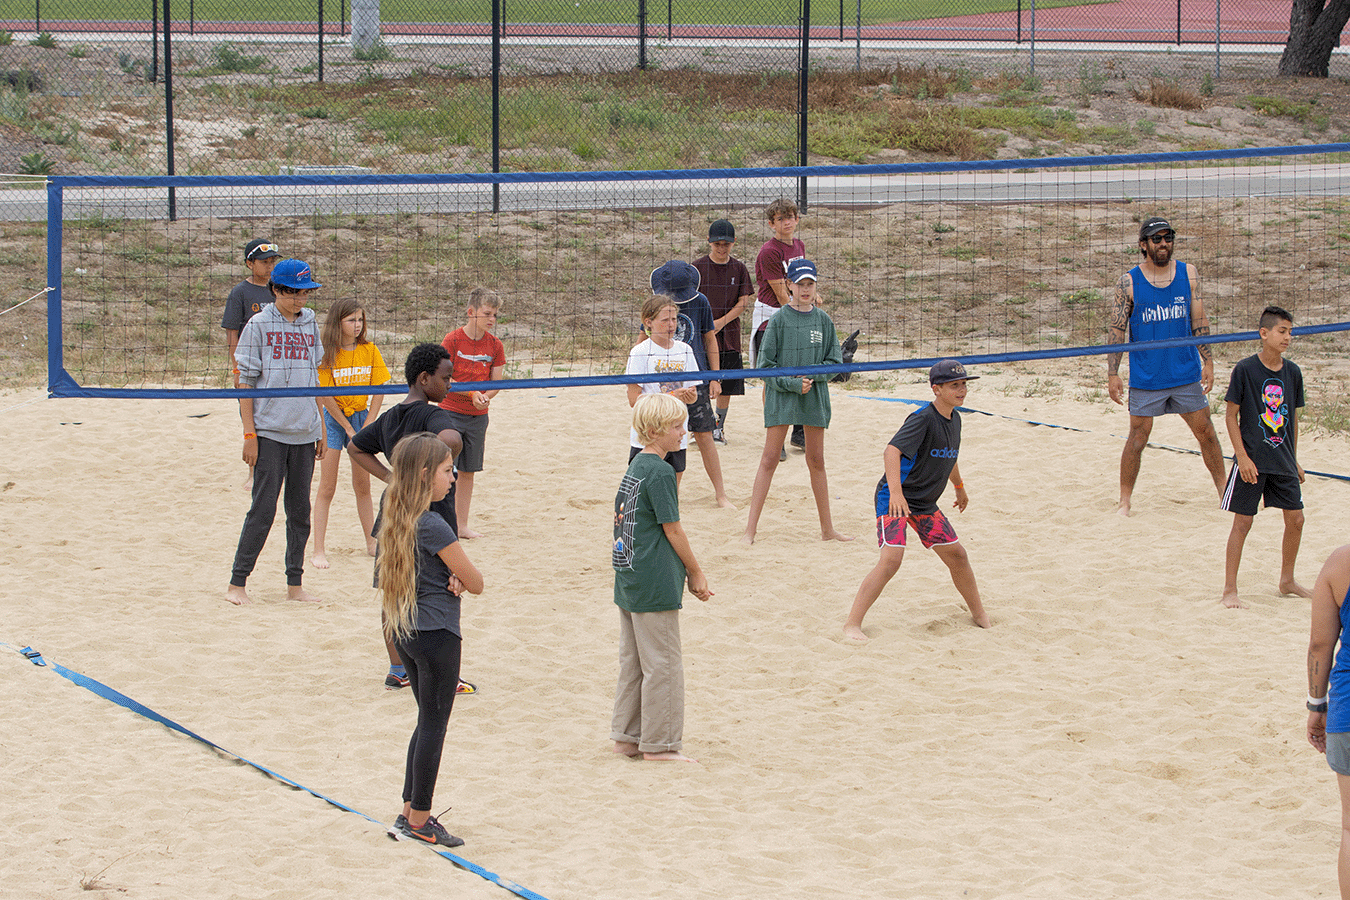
412	463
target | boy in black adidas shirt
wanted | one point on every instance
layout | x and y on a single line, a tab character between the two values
920	460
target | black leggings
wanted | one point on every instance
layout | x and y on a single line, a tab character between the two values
432	661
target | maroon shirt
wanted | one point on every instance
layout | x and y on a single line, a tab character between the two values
771	265
724	285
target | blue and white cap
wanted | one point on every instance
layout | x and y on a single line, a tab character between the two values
800	269
294	274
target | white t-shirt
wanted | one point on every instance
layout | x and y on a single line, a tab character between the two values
648	358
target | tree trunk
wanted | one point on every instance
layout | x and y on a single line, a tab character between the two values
1314	31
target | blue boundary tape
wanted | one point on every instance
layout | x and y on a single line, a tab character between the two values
140	709
980	412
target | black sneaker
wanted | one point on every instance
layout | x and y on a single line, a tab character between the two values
400	830
433	833
393	682
798	437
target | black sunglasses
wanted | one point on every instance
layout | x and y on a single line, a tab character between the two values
1167	237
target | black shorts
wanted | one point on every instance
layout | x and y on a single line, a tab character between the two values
675	459
730	360
1279	492
701	418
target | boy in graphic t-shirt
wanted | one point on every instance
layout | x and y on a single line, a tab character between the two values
477	355
1265	392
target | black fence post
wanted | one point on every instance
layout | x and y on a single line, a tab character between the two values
154	41
802	82
37	16
496	102
642	34
168	111
1178	22
321	41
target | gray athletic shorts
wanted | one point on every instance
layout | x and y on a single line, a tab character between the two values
1338	752
1185	399
473	431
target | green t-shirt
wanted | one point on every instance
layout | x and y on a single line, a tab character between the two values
795	338
648	574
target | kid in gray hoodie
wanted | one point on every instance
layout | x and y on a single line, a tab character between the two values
279	348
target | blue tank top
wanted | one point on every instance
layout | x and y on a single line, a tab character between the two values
1161	313
1338	708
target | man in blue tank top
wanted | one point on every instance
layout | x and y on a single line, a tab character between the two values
1156	300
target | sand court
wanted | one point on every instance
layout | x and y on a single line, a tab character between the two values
1117	733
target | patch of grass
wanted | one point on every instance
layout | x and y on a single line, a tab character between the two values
378	51
1091	80
229	58
1086	296
44	40
1168	94
6	38
23	81
36	163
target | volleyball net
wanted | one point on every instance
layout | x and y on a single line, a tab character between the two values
985	261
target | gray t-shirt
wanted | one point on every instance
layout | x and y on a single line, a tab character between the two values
245	301
928	445
437	608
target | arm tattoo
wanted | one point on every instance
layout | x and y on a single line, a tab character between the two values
1122	304
1199	331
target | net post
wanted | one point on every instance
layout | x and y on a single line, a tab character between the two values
57	377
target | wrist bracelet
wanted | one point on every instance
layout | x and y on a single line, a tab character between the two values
1316	700
248	435
960	485
1317	705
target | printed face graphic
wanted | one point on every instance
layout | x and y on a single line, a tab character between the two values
1274	397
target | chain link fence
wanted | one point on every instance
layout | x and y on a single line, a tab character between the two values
328	86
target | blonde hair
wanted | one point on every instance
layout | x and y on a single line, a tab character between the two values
481	296
656	413
332	328
412	463
652	306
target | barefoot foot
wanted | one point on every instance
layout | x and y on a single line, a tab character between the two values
725	502
1293	588
835	536
319	559
236	594
855	634
296	592
371	546
468	534
748	538
626	748
982	620
1232	601
1123	507
668	756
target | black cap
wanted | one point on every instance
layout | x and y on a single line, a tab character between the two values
948	370
261	249
721	230
1154	225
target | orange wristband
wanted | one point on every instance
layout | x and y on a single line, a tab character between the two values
248	435
960	487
